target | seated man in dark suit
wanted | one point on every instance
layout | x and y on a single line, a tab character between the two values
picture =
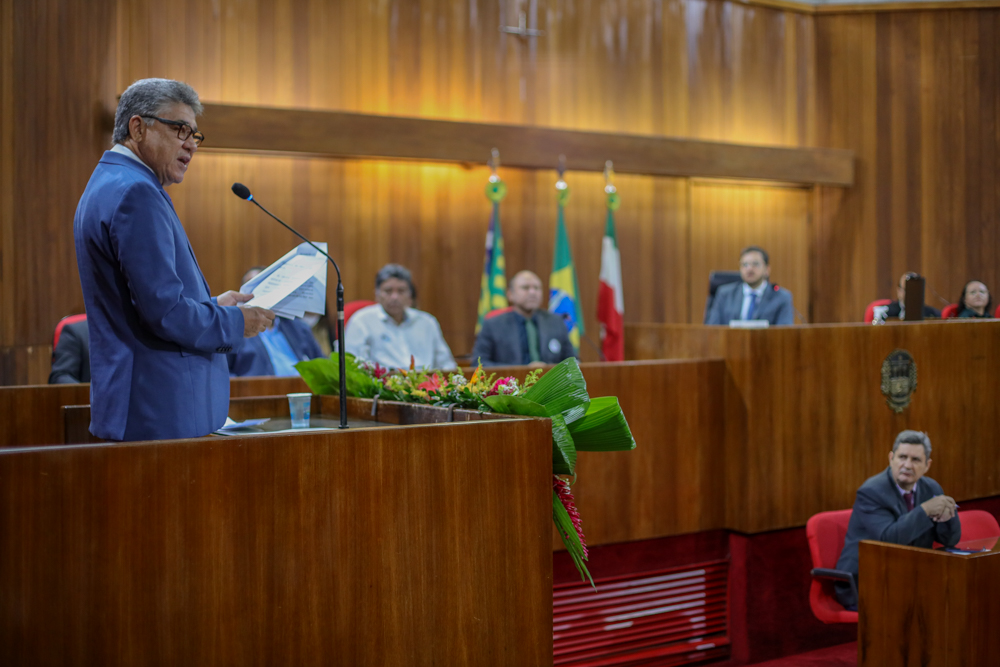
901	506
526	335
276	350
897	308
71	358
753	298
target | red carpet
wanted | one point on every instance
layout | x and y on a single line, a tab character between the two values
836	656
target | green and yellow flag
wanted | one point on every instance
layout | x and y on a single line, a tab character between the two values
564	294
493	286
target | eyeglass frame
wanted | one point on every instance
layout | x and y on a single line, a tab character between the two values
199	138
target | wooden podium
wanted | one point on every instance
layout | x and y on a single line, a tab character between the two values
928	608
392	545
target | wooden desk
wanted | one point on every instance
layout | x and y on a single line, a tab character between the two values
928	608
816	422
32	415
410	545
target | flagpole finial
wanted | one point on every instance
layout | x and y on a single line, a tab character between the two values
494	164
561	170
609	176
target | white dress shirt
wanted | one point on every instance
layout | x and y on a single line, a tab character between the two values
374	336
747	296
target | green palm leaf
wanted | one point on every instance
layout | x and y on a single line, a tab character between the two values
562	391
563	448
515	405
603	428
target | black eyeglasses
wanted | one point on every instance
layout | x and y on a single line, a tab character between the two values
184	131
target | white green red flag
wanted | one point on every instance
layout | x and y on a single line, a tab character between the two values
610	298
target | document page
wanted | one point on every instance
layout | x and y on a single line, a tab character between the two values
292	286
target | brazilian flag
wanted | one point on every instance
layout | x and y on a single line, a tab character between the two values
493	286
564	294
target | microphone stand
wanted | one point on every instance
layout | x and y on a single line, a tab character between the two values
340	316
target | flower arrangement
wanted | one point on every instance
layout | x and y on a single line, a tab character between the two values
579	422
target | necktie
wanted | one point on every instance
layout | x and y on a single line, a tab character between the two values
532	330
908	497
753	306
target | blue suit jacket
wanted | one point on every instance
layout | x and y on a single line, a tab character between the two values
775	305
157	337
252	358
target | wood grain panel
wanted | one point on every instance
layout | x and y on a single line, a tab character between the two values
359	547
340	134
950	618
817	424
33	415
915	95
647	69
912	93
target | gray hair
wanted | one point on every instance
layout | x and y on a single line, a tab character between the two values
148	97
395	271
913	438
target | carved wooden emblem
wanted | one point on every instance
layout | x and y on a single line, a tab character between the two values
899	379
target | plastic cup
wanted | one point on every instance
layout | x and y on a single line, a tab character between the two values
298	406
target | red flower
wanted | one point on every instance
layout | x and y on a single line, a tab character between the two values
380	372
505	386
561	487
433	384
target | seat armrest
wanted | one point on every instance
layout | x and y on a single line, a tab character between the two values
838	575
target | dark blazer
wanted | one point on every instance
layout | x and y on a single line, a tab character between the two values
252	357
880	514
895	309
775	305
501	341
158	339
71	358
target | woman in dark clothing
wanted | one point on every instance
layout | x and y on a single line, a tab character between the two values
975	300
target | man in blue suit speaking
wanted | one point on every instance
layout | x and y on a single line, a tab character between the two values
753	298
158	339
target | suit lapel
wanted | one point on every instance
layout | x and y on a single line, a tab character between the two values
736	303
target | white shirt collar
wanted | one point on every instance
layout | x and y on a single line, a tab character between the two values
127	152
747	290
384	316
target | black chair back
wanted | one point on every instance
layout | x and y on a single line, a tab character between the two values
715	280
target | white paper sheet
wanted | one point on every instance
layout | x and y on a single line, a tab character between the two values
292	286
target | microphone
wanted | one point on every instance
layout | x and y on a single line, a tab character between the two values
243	192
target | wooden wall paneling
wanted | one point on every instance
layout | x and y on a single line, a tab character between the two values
671	483
817	424
847	270
32	415
916	97
346	547
606	69
52	133
340	134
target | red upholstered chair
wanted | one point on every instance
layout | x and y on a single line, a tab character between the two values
498	311
977	525
352	307
870	310
996	313
949	311
71	319
826	532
